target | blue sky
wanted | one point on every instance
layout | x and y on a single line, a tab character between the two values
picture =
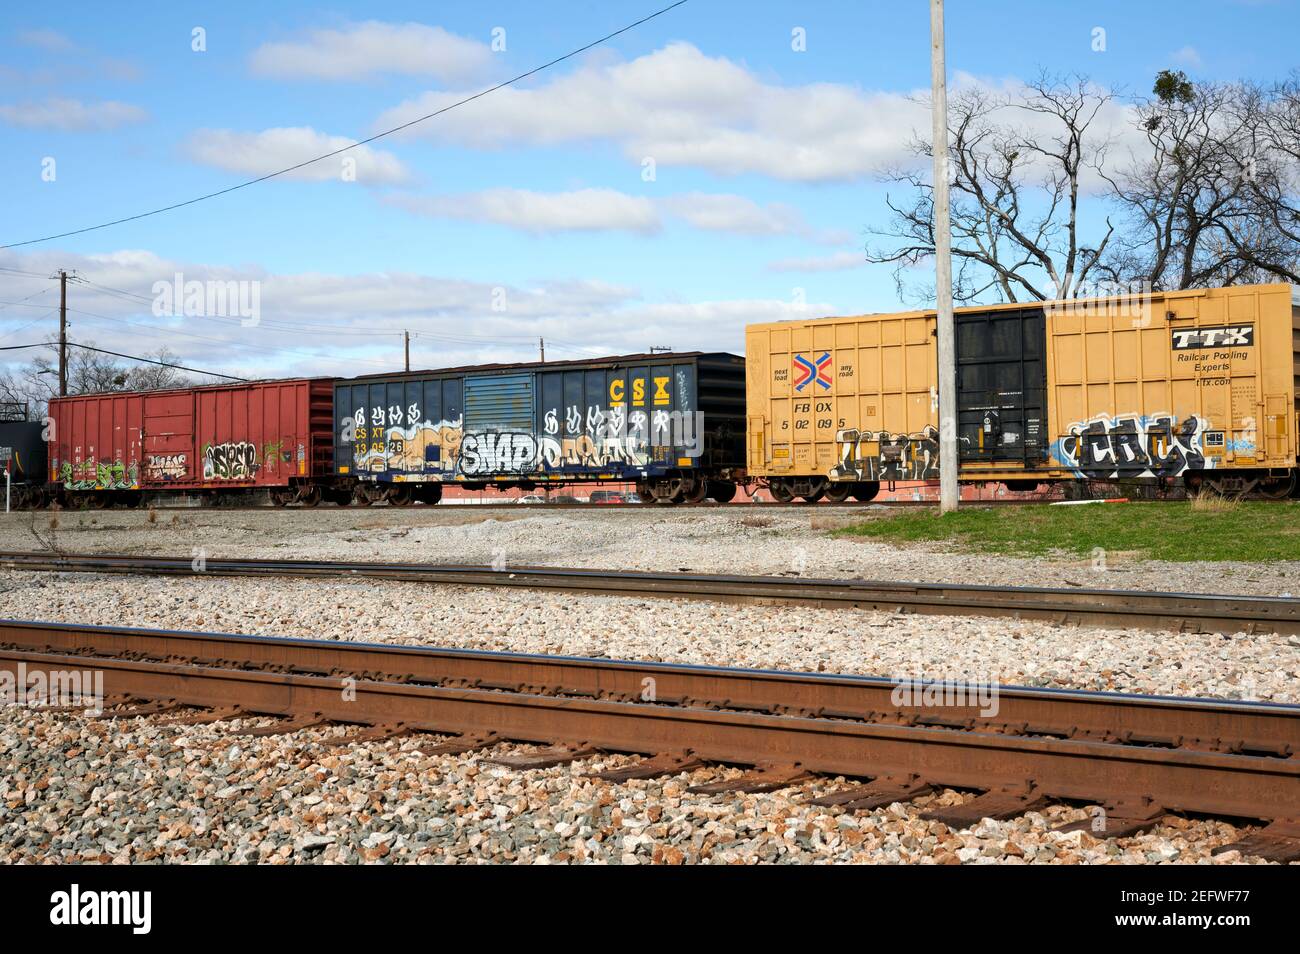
524	213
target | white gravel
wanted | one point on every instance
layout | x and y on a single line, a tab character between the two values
74	790
748	539
1018	652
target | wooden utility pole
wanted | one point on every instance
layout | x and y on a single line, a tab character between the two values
63	333
406	339
945	332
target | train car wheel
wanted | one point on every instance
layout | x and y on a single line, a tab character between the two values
723	491
430	494
866	490
815	496
399	496
1278	488
696	492
281	498
839	492
309	495
780	492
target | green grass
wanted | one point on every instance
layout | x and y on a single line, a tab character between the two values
1250	531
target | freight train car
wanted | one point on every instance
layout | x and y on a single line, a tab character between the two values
218	442
1197	387
22	457
673	423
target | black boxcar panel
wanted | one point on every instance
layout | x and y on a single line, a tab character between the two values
1002	386
630	417
23	453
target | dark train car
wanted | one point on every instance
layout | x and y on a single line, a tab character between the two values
22	461
222	440
673	423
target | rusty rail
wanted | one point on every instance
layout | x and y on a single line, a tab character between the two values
1142	756
1185	612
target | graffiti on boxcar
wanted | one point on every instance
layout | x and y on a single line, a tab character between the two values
881	455
420	447
1134	446
484	454
570	438
235	460
91	474
163	467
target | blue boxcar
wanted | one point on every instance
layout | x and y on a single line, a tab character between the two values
673	423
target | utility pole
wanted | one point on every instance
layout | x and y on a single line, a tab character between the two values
541	346
63	333
406	339
948	461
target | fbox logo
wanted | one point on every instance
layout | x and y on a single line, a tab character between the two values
77	907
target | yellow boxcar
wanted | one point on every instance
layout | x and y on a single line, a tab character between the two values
1197	385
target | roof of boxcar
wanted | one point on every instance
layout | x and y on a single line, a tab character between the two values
1061	304
615	359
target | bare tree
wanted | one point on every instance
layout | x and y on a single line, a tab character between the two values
1197	205
89	372
1210	195
1018	171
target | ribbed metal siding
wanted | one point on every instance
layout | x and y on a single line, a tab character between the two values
499	403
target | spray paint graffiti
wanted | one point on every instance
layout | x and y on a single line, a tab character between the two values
880	455
1134	446
570	439
99	475
166	467
231	461
422	447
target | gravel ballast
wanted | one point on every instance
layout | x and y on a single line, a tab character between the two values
750	539
76	789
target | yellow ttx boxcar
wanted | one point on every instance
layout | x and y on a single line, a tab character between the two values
1197	386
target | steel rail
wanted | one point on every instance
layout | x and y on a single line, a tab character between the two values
1182	779
1185	612
1260	727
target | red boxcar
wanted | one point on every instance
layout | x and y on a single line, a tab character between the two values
273	434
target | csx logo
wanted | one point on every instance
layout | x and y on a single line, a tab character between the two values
1213	337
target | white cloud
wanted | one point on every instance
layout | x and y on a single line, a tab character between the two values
592	210
72	115
681	108
352	324
51	41
723	212
363	49
583	210
838	262
259	153
1187	56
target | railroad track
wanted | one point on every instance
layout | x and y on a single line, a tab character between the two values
1139	757
508	504
1184	612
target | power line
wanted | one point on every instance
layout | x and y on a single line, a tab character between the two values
131	357
388	132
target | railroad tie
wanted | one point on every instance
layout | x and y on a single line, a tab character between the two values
1005	802
669	763
208	717
764	777
546	758
880	792
1279	841
461	744
374	733
1120	818
284	726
